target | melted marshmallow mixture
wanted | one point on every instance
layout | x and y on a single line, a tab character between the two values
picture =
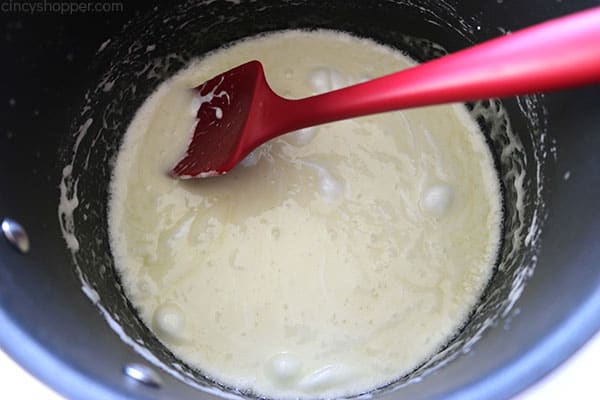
334	259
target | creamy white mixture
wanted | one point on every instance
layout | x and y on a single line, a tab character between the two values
334	259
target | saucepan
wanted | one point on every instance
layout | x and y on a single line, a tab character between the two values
72	78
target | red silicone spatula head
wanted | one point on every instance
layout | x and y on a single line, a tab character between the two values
224	104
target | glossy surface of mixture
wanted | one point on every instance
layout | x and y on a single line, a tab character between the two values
334	259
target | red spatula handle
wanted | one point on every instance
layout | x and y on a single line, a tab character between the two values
561	53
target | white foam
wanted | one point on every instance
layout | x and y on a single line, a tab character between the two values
67	204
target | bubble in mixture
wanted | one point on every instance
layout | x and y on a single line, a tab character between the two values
283	368
437	199
169	321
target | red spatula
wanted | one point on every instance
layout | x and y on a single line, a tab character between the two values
238	111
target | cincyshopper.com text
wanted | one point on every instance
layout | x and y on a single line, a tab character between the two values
59	7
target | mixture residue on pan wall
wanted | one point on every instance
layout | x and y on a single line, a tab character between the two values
334	259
